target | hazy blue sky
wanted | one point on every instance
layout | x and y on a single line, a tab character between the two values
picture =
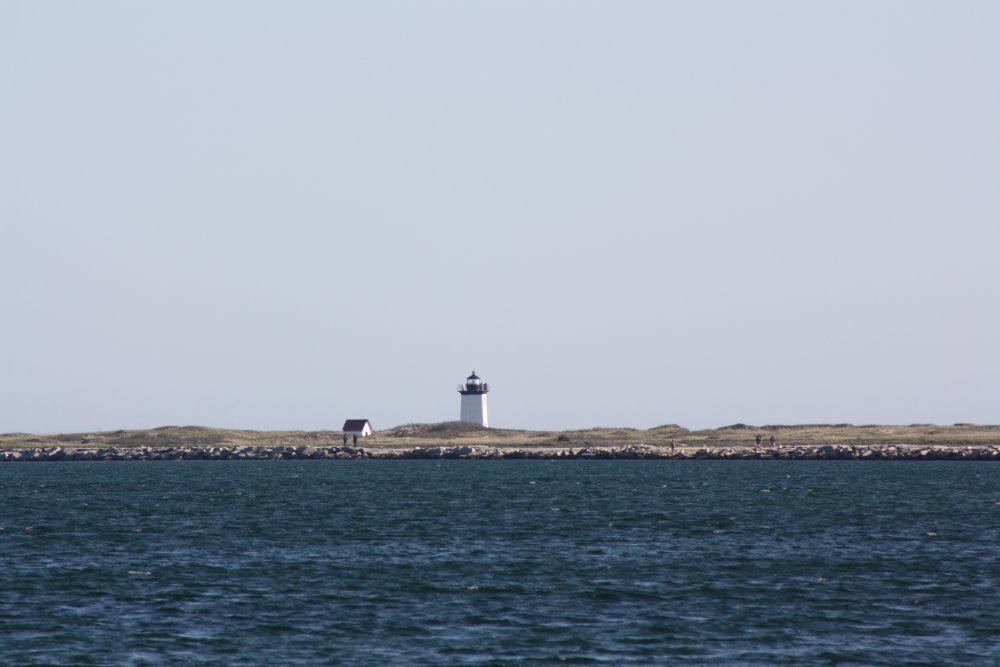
285	214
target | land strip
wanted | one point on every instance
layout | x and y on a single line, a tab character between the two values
460	440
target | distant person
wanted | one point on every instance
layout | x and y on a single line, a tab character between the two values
356	439
758	439
672	448
773	441
345	440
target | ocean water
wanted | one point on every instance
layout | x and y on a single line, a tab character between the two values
500	563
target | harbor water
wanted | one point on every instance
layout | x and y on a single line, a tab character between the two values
500	563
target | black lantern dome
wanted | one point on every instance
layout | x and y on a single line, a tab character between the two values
473	385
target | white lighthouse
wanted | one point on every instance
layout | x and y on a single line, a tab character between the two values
474	400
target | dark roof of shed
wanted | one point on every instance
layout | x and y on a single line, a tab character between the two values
355	424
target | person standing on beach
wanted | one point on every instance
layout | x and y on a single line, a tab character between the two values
758	439
773	441
672	448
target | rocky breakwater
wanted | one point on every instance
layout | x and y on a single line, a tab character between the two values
640	451
266	453
479	452
637	451
847	453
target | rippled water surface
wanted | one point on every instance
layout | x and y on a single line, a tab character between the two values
499	562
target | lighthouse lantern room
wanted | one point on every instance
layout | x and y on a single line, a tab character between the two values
474	400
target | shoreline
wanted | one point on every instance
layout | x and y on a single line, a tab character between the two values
461	434
840	452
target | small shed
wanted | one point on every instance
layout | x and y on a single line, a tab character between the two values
357	427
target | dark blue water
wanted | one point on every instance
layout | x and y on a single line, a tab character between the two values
499	562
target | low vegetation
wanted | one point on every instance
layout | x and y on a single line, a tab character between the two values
459	433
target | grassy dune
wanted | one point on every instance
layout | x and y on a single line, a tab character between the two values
457	433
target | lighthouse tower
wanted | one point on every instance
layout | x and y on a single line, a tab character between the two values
474	400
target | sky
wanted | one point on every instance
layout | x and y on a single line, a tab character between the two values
280	215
